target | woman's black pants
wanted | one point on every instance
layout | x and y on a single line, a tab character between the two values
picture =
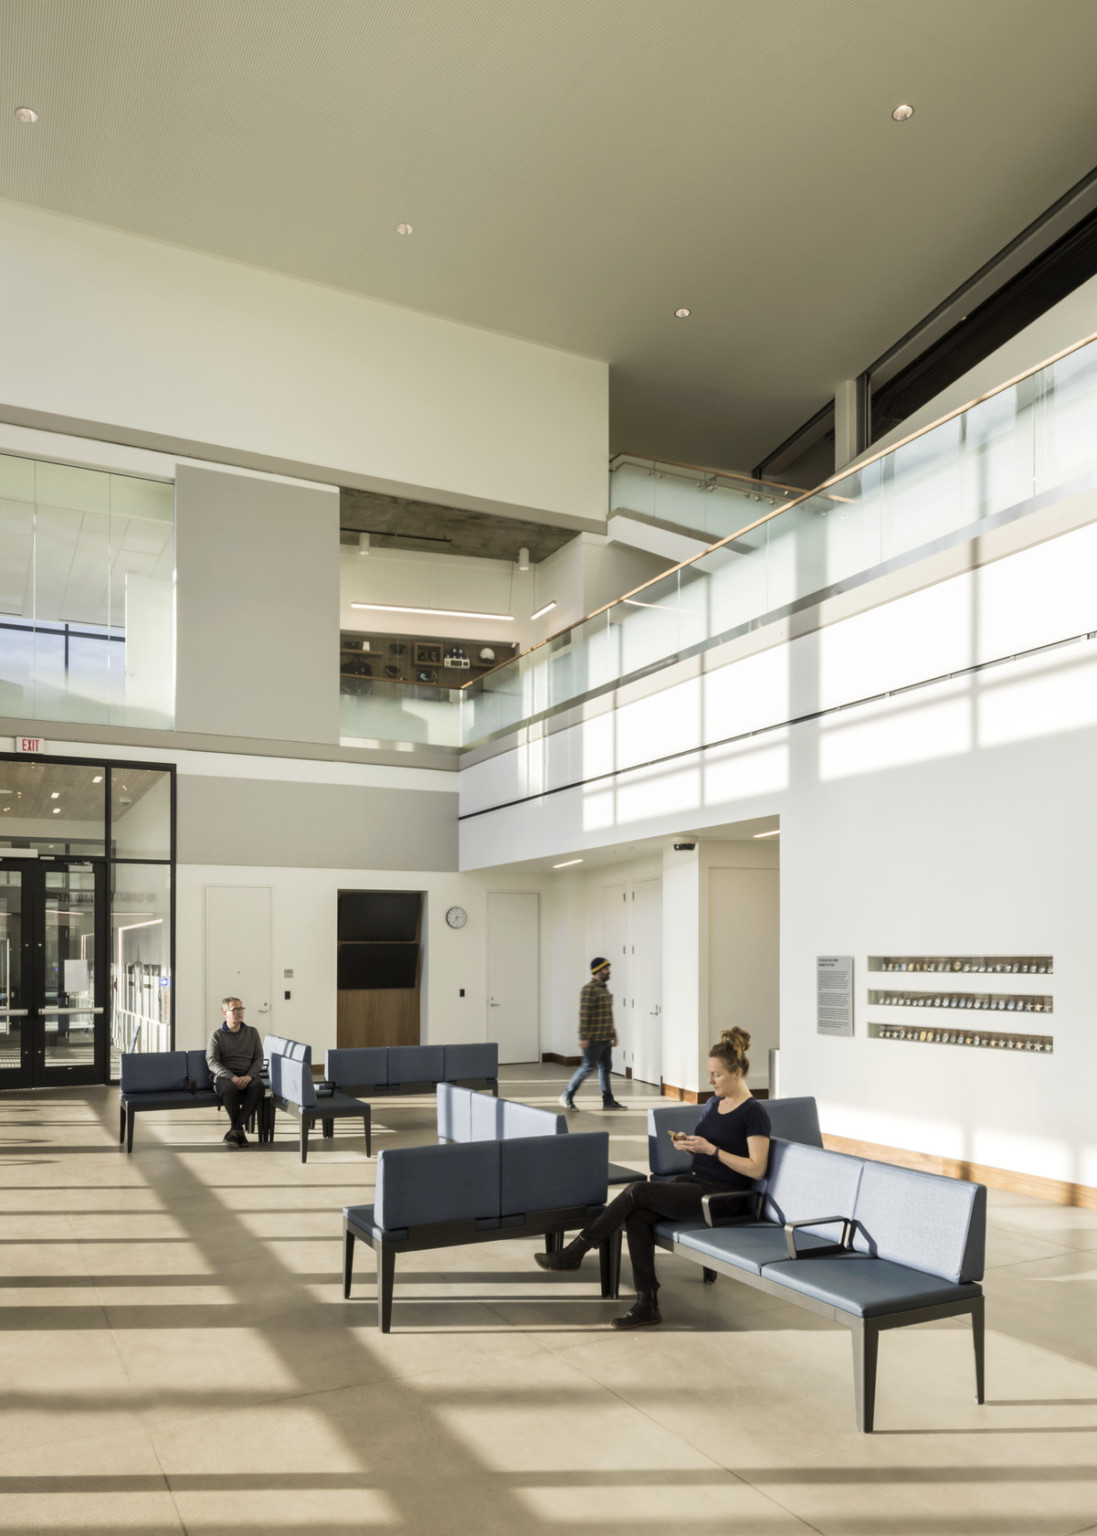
638	1207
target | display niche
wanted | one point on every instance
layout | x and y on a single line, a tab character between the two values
982	1039
1001	965
987	1002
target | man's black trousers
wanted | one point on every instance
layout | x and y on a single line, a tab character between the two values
241	1103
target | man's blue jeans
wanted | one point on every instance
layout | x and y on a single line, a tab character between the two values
598	1054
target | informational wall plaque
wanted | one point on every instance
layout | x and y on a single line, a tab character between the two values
834	994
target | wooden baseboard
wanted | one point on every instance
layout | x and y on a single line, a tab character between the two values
1058	1191
560	1061
699	1095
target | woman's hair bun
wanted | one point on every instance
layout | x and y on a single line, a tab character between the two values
737	1038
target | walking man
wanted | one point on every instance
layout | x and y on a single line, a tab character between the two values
235	1055
597	1036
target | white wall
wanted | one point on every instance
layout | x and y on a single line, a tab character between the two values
161	345
442	581
954	818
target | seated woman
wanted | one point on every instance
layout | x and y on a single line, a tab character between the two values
730	1147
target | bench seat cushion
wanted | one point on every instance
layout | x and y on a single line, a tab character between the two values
865	1286
674	1230
362	1216
619	1174
178	1100
748	1246
334	1104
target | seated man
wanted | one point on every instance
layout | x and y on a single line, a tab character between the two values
235	1055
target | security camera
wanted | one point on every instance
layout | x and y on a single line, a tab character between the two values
684	847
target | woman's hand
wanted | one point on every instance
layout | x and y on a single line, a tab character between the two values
697	1146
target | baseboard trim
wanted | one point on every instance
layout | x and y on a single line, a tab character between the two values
699	1095
1058	1191
555	1059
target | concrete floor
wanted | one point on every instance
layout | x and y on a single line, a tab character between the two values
176	1356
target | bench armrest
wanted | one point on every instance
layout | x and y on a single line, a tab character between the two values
841	1246
712	1206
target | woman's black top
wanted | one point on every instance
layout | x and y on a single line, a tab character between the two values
729	1133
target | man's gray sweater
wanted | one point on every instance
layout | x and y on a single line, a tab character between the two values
234	1053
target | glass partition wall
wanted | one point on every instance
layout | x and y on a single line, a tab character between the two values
87	595
87	920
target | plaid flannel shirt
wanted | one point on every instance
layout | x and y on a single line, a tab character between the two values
596	1013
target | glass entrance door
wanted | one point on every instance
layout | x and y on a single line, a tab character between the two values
53	972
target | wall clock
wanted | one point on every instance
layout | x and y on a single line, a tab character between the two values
457	917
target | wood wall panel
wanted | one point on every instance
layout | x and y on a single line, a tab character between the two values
378	1017
1059	1191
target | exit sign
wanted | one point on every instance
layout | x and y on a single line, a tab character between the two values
29	744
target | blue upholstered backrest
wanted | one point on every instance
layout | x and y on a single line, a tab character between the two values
416	1063
152	1072
470	1061
198	1068
485	1117
358	1066
275	1045
922	1219
295	1081
420	1185
544	1172
285	1055
806	1181
454	1113
531	1120
794	1120
663	1156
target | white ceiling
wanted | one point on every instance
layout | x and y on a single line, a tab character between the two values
576	171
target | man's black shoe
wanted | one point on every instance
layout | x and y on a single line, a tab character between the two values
565	1258
613	1104
644	1313
229	1138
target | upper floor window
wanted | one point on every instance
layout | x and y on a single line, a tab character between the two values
87	595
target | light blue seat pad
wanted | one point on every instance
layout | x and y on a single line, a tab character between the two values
865	1286
672	1230
748	1246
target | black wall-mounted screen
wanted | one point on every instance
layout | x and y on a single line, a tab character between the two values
391	916
373	967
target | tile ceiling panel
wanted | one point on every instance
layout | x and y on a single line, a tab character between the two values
573	171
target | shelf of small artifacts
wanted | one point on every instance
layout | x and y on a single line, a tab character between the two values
996	1002
981	1038
999	965
366	658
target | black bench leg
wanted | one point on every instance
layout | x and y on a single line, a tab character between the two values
121	1124
348	1261
609	1259
366	1118
866	1338
495	1088
386	1276
554	1242
977	1338
708	1276
131	1116
304	1139
329	1129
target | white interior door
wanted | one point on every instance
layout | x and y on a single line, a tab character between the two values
613	943
646	974
238	952
514	975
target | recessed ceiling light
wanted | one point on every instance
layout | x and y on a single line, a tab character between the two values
98	779
902	113
57	810
567	863
405	229
55	795
448	613
26	114
681	314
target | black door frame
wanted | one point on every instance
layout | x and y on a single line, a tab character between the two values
105	865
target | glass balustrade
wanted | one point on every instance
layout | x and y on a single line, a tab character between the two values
708	503
1002	457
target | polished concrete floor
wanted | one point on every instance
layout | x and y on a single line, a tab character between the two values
176	1356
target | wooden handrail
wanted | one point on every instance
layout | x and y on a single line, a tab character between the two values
819	490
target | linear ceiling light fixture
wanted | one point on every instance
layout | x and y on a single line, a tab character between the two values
567	863
442	613
775	833
542	611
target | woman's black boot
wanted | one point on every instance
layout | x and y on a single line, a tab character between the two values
566	1258
643	1313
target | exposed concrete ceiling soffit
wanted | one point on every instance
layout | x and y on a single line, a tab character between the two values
429	529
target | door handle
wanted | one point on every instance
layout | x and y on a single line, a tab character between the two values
264	1008
70	1010
14	1013
493	1004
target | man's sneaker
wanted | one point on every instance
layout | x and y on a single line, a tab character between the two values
229	1138
239	1137
613	1104
567	1101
